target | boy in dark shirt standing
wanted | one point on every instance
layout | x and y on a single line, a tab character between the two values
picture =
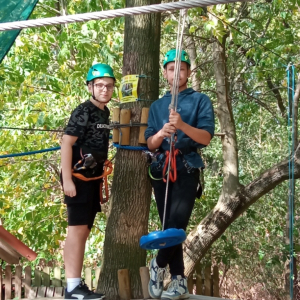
193	121
84	137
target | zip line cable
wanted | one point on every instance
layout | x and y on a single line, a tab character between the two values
291	133
109	14
174	99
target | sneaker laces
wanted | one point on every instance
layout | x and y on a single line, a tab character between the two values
174	285
84	287
160	276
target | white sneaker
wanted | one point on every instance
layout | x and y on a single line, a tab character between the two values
177	289
155	286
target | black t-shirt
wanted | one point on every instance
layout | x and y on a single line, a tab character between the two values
85	123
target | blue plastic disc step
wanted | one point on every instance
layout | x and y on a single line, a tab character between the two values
162	239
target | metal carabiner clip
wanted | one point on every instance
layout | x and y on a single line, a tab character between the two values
87	162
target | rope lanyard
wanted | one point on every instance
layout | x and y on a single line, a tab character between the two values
174	101
291	133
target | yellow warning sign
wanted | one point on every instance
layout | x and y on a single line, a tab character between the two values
128	88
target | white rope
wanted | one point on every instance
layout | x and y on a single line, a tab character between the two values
109	14
174	99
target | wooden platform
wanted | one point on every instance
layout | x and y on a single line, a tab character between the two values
193	297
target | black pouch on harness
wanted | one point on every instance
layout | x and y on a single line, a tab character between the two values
90	163
156	162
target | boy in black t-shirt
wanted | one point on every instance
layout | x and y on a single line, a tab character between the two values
84	135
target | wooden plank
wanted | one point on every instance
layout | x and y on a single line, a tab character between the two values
7	282
116	119
207	281
96	279
145	278
144	119
32	292
58	292
18	282
199	280
41	293
57	273
46	276
37	278
201	297
27	281
190	284
215	279
56	281
124	137
50	291
88	278
193	297
8	253
124	284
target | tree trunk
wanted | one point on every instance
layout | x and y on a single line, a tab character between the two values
190	48
131	189
234	198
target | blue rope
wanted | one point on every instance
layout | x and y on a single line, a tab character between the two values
291	115
29	153
136	148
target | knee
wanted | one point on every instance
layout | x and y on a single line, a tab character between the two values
80	232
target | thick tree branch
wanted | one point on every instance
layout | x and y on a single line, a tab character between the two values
276	92
225	212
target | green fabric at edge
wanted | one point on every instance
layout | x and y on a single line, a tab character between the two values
13	10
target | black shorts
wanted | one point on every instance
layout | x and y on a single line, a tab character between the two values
82	214
82	208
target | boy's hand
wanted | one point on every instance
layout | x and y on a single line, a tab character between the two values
167	130
69	188
175	119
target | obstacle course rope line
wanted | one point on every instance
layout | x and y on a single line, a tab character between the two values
291	126
109	14
174	99
29	153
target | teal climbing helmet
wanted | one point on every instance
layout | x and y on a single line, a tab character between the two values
171	56
98	71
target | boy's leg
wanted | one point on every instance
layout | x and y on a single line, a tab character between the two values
180	203
183	194
74	250
81	217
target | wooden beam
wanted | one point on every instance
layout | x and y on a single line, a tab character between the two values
8	254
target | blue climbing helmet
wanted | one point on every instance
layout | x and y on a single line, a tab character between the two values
171	57
98	71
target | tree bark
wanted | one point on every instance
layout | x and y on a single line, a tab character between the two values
131	189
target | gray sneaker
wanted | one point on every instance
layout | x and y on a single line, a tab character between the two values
155	286
177	289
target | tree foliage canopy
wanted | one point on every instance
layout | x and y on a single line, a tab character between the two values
43	78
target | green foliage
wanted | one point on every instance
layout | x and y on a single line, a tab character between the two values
43	78
42	81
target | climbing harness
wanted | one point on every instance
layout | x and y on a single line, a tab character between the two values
171	162
171	236
88	162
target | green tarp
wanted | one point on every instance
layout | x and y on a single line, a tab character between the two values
13	10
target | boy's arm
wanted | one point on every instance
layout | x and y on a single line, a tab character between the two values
198	135
66	164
